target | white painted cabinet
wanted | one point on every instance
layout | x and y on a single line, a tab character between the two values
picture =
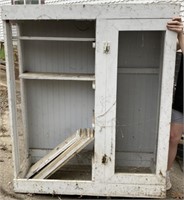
109	67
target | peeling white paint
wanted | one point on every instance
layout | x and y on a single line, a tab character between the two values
8	2
105	181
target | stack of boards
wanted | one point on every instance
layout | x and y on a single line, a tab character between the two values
61	154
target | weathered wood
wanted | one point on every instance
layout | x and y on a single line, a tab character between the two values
136	11
11	95
166	88
56	39
119	189
26	163
82	158
57	76
123	159
53	154
99	111
111	99
110	21
85	137
143	25
166	101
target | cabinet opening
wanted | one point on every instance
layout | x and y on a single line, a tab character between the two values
57	73
138	100
63	46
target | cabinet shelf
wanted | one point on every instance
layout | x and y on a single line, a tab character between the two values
58	76
138	70
74	39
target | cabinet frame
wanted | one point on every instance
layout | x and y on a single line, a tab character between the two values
104	182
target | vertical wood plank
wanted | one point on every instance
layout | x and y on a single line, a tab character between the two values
100	109
166	101
105	101
111	99
11	94
23	106
159	92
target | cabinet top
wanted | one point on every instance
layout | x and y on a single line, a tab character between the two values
90	11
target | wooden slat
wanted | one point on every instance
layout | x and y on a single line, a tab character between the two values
12	95
144	24
58	76
72	39
89	11
166	95
86	136
53	154
110	100
100	83
26	162
132	70
156	188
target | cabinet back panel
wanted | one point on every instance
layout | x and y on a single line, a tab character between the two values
56	109
138	89
137	102
60	28
58	57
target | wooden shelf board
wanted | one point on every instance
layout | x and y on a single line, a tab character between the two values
57	76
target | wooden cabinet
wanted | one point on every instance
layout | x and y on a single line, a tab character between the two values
104	67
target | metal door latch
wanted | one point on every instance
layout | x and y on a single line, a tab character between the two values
106	48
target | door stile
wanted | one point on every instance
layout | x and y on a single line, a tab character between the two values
105	101
166	101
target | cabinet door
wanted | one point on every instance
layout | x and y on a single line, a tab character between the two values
135	61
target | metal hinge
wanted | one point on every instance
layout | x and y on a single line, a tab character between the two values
106	48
